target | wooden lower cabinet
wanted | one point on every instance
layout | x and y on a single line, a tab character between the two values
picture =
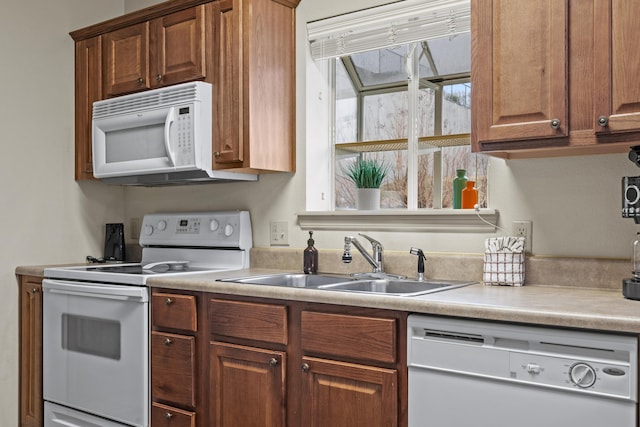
247	386
30	325
290	364
178	374
339	394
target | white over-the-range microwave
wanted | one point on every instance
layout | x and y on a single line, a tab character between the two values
156	137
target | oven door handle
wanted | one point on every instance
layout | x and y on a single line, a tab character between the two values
121	293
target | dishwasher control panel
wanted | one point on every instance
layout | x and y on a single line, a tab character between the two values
596	375
562	359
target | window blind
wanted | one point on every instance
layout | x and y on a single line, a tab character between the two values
388	25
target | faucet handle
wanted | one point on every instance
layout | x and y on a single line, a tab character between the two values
373	241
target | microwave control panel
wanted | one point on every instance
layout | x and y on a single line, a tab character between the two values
183	137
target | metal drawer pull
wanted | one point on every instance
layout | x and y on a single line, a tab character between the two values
168	415
35	291
603	121
167	341
555	124
305	367
140	81
168	301
273	362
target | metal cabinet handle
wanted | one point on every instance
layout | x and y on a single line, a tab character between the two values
34	291
140	81
168	301
158	77
555	124
168	415
603	121
305	367
216	154
273	362
167	341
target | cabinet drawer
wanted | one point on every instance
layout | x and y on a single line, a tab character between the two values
173	368
253	321
174	311
353	337
167	416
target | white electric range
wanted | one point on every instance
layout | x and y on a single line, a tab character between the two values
96	317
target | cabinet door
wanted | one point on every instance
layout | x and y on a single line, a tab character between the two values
617	66
339	394
228	118
247	386
177	47
31	405
88	89
126	60
519	71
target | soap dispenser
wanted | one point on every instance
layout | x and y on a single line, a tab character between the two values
310	256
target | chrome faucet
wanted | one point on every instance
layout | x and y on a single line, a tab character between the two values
375	260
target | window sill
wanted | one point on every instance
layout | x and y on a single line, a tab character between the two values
432	220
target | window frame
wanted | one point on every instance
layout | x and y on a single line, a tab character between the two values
320	210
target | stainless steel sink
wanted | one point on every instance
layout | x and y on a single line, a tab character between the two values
336	282
397	287
292	280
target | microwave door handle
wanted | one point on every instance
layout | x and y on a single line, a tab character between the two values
167	135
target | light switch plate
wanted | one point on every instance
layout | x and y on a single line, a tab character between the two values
279	233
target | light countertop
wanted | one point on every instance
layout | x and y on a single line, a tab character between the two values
590	308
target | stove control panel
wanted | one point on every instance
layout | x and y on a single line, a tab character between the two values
223	229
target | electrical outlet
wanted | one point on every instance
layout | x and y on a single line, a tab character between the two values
134	228
524	229
279	233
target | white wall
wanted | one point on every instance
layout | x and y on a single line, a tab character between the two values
46	217
574	202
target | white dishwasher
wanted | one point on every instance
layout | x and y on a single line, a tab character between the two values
487	374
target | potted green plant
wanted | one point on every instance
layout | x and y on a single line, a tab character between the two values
367	175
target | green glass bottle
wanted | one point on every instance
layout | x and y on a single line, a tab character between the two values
459	182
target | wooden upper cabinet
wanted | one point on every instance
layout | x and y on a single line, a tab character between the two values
164	51
254	116
228	145
535	61
519	70
88	89
126	60
617	66
177	46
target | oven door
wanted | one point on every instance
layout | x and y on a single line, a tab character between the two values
95	349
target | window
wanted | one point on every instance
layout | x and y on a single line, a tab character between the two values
401	94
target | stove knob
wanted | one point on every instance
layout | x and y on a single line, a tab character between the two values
228	230
162	225
214	225
582	375
148	230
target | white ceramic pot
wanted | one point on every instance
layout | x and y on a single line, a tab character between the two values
368	198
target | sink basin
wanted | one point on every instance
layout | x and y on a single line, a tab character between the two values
397	287
291	280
